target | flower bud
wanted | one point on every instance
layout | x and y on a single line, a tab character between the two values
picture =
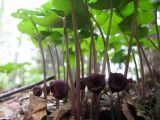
59	88
37	91
96	83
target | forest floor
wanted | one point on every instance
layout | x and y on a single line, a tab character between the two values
15	107
25	106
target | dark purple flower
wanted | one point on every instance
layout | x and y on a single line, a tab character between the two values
37	91
117	82
96	83
59	88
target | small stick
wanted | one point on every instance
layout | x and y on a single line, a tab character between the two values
6	94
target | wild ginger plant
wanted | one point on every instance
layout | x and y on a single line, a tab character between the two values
91	35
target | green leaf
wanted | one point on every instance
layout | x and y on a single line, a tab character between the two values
56	37
114	27
143	32
9	67
126	10
50	20
119	56
27	27
125	24
26	14
99	45
47	6
102	18
106	4
58	12
80	12
92	1
84	33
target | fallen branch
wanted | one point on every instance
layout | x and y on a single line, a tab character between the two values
12	92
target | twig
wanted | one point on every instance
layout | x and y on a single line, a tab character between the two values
7	94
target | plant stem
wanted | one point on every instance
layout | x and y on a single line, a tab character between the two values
56	51
100	30
95	98
68	67
90	61
148	65
131	38
43	58
142	70
82	62
58	71
106	56
93	48
137	75
139	50
78	104
51	55
152	43
118	107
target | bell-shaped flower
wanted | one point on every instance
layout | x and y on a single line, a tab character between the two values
59	88
96	83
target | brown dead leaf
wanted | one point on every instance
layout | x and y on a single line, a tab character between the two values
64	112
38	107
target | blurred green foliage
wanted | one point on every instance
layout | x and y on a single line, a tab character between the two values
49	22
